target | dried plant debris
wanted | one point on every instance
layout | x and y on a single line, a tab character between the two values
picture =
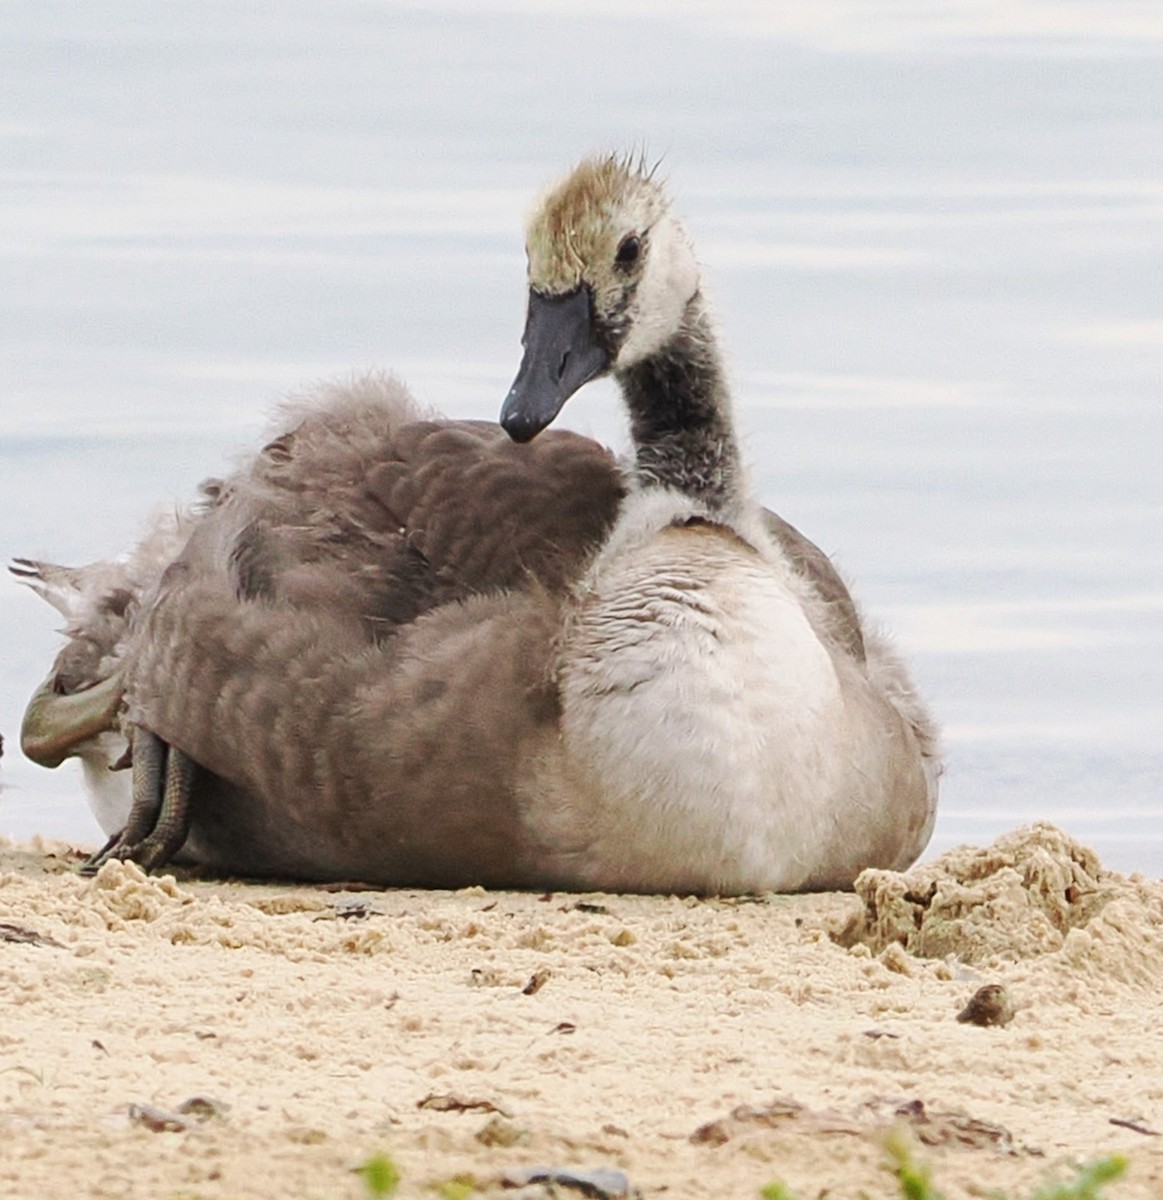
26	937
989	1005
448	1102
1135	1126
601	1183
160	1120
188	1115
537	981
954	1129
930	1127
746	1118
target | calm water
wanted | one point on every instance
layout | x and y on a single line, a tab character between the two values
935	239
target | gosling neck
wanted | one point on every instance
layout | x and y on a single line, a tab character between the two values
680	416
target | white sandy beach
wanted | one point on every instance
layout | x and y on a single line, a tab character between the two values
701	1047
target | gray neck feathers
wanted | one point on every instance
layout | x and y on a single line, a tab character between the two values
680	416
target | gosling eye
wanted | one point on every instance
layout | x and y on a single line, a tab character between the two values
628	250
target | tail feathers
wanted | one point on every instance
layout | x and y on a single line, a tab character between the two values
62	587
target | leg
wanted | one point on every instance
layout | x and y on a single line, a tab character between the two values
149	773
159	818
173	818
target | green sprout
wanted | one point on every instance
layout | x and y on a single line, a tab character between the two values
381	1176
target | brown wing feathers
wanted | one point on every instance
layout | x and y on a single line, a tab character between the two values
486	513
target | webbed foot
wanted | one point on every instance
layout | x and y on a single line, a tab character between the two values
159	819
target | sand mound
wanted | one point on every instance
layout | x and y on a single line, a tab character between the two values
1034	892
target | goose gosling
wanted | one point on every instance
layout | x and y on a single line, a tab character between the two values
418	652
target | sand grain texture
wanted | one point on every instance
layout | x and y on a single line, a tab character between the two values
702	1047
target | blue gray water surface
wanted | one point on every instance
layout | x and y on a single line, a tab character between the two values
934	235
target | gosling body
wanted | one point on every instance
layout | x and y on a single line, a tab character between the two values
418	652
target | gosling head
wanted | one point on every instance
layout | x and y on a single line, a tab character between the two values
611	272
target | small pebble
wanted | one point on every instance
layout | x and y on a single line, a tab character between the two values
989	1005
